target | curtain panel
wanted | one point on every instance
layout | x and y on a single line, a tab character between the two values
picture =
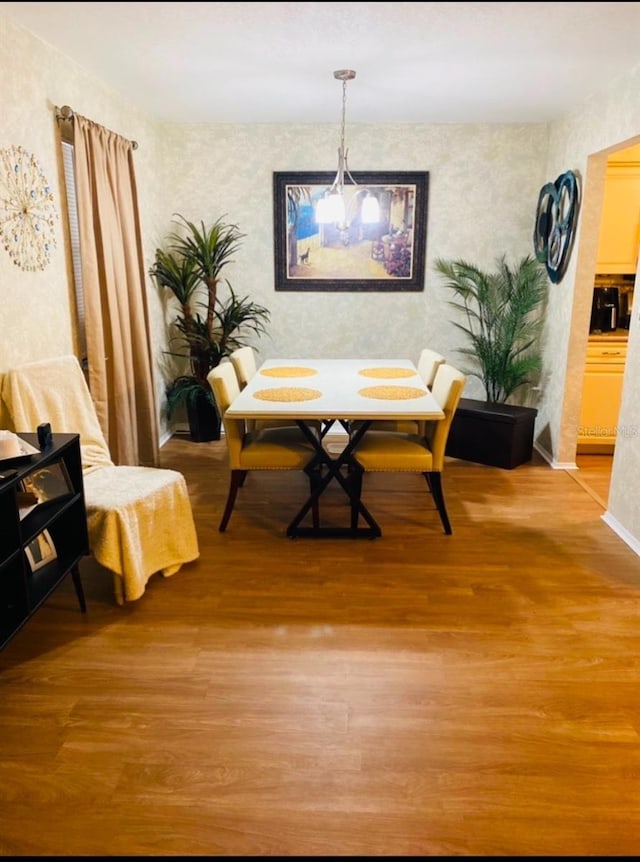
116	310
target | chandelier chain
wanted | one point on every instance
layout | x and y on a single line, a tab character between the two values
332	208
344	113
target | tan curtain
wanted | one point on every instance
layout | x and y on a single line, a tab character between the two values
117	317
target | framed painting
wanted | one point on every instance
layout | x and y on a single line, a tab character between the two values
48	483
353	255
40	551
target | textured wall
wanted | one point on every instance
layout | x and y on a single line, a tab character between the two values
582	141
484	184
37	314
483	187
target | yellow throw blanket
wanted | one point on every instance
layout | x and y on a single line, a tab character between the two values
55	391
140	522
139	518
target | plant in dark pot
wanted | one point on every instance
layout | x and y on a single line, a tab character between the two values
501	316
207	326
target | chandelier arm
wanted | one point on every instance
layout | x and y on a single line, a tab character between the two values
346	168
333	202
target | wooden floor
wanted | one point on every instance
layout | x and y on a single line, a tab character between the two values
419	694
594	474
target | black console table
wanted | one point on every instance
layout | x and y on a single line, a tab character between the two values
44	534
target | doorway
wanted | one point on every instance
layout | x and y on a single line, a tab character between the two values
617	259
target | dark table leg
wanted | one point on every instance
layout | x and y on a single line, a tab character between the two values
329	469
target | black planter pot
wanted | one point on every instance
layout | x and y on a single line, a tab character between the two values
500	435
204	419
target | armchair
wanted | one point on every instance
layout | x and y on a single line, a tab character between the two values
139	518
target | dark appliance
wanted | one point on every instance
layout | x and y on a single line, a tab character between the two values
604	309
626	304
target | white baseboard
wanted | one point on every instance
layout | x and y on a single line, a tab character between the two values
623	533
555	465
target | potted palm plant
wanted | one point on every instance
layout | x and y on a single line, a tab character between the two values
207	326
500	315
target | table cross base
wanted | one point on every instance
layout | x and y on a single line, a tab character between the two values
326	469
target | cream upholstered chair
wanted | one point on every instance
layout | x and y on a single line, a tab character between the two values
397	452
266	449
139	518
245	365
428	363
244	362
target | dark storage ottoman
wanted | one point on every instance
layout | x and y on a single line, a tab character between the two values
500	435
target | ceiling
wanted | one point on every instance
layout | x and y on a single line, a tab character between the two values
415	62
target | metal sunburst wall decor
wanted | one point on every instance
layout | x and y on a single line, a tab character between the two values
28	214
556	218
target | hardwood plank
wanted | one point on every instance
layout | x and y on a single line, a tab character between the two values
594	474
418	694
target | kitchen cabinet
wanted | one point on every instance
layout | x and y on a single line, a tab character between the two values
601	394
620	226
44	538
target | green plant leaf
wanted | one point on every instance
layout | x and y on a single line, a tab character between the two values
185	389
206	328
501	318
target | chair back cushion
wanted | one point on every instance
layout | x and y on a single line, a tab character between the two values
244	361
428	364
224	383
448	386
55	391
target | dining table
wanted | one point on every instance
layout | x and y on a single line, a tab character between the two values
340	395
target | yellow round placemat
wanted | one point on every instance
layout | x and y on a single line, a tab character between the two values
392	393
289	371
288	393
387	372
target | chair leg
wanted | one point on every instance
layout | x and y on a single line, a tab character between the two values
434	482
314	475
237	478
355	478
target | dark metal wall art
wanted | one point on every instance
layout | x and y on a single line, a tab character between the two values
556	219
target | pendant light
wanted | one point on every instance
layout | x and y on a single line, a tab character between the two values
331	208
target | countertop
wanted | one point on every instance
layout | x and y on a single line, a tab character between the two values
620	336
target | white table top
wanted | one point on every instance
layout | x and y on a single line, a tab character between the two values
339	383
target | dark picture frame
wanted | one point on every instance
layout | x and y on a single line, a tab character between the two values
41	551
48	483
384	257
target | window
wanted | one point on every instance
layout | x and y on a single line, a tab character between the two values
74	234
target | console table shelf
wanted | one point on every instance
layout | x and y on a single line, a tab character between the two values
43	542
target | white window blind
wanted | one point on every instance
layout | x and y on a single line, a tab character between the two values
74	235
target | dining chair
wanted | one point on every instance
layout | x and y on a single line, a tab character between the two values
245	365
398	452
428	363
283	448
139	519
